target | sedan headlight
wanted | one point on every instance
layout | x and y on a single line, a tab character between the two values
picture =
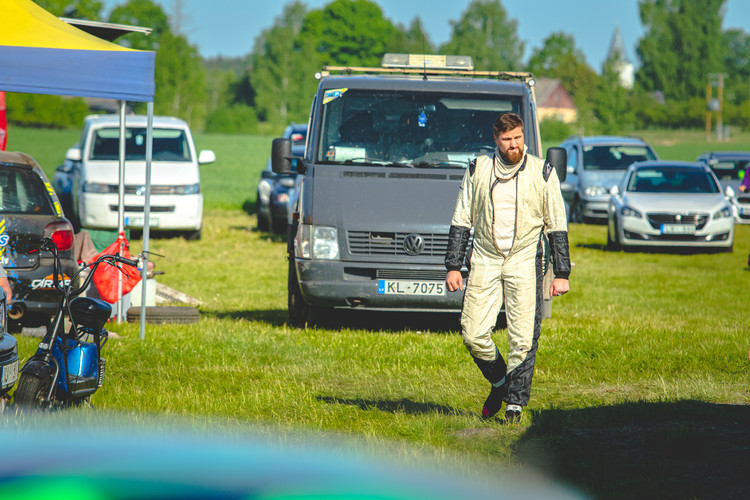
317	242
724	212
596	191
98	187
627	211
264	191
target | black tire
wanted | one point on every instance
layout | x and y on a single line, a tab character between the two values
165	314
576	215
31	391
300	312
613	243
193	235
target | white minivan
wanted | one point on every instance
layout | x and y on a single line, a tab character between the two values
88	180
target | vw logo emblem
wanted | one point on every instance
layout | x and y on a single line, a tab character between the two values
413	244
679	218
140	190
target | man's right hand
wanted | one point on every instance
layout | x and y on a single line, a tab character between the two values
454	281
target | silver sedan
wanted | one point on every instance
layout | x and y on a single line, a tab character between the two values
670	204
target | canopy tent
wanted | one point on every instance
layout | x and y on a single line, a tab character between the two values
41	54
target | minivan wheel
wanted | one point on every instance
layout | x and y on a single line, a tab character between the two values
576	214
194	235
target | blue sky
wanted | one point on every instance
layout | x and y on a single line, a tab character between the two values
229	27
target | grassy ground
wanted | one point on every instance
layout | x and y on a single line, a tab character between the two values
641	388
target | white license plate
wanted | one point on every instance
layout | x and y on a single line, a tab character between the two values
677	229
10	374
403	287
138	221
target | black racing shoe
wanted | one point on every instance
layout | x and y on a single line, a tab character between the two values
513	415
494	401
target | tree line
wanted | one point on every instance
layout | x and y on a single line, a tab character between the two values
681	52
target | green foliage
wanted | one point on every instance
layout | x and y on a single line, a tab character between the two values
681	45
282	69
236	119
412	40
487	34
736	54
348	32
555	131
81	9
47	111
141	13
180	81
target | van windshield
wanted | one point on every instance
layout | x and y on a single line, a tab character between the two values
168	144
407	128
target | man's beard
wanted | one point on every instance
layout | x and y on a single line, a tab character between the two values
512	158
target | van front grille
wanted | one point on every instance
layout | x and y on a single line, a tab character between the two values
386	243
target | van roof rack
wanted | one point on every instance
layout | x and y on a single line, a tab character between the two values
427	64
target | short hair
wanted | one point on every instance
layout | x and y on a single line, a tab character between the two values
506	122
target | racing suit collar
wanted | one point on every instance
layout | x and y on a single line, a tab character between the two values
507	171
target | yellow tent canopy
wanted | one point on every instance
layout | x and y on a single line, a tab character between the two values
41	54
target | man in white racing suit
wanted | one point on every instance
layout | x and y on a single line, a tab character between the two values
513	201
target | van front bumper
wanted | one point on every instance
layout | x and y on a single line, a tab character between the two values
354	285
168	212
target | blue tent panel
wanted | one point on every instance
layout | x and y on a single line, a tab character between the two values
121	75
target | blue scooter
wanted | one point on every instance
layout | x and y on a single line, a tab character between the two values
68	367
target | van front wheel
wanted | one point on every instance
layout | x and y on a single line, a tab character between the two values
299	310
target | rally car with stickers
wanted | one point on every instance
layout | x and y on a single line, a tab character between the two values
29	208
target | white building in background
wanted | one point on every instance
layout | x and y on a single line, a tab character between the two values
622	64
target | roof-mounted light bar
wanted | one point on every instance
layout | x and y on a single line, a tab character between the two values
431	61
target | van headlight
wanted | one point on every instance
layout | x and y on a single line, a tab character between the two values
187	189
317	242
724	212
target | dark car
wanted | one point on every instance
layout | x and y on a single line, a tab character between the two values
595	165
29	208
730	168
274	190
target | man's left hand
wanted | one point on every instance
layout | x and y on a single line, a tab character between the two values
559	287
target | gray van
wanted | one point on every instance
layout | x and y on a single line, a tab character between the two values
386	151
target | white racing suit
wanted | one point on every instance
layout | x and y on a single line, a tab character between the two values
514	275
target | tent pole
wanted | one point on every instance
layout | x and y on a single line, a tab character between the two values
146	216
121	205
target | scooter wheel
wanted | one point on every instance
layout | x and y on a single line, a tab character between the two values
31	391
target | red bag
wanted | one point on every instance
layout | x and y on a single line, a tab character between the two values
106	276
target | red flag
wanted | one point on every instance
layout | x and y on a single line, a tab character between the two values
3	123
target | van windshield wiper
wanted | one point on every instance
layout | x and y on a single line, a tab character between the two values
442	163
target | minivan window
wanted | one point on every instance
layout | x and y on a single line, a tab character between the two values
168	144
614	157
408	128
23	192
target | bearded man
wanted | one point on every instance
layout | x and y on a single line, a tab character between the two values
513	202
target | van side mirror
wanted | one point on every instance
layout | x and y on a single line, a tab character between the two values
729	192
206	156
614	190
558	158
281	156
73	154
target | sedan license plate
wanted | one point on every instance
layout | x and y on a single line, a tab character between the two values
677	229
402	287
10	374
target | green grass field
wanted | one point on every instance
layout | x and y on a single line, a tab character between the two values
641	387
